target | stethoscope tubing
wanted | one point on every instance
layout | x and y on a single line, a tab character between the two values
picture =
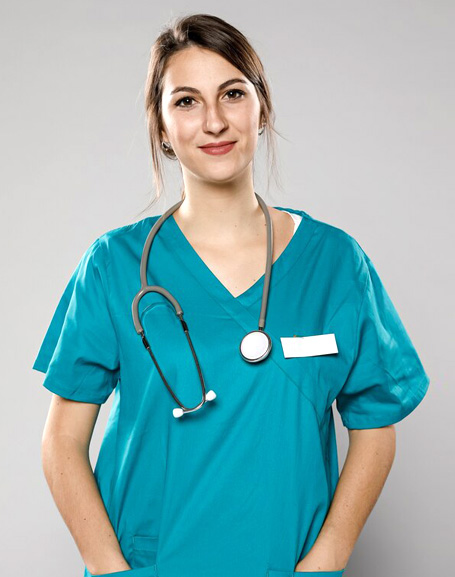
145	289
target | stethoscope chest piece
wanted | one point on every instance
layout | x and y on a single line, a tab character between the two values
255	346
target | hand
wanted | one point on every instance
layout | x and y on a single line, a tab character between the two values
121	565
325	555
312	563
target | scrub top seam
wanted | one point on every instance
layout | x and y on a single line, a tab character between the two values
357	329
390	375
107	264
325	447
356	340
304	395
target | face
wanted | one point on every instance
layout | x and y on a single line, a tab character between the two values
207	100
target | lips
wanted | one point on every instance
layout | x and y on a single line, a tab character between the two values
215	144
218	148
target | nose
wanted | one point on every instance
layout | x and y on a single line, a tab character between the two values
214	121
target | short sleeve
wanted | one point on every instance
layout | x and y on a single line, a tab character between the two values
386	381
79	354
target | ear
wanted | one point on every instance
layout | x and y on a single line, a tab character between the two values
261	120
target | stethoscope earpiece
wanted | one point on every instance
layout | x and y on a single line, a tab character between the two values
179	411
255	345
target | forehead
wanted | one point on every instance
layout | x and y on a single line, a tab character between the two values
199	68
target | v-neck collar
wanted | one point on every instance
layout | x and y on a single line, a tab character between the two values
196	265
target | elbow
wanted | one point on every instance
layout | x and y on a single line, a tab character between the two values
58	451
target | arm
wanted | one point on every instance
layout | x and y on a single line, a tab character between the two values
368	462
67	468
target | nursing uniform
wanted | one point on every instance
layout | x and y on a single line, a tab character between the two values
242	486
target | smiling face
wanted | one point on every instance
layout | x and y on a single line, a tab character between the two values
207	100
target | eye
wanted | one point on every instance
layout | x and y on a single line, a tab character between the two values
186	98
181	100
236	90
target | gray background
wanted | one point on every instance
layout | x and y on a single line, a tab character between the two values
364	97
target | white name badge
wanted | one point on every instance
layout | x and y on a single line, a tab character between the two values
309	346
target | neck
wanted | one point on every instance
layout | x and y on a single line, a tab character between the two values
223	213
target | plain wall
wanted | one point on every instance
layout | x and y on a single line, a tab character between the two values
364	95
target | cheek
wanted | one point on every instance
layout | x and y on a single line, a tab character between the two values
248	119
179	125
250	129
183	131
183	135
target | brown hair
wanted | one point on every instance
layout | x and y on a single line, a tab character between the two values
214	34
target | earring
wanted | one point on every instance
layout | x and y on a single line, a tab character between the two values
262	129
166	146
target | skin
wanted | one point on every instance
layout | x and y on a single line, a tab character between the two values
220	217
66	465
368	462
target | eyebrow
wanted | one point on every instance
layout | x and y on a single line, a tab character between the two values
196	91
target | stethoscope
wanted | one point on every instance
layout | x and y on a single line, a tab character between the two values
255	345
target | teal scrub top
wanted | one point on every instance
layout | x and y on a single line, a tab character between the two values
242	486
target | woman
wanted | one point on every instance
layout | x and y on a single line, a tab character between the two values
247	483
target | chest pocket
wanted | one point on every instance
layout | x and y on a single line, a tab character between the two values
144	550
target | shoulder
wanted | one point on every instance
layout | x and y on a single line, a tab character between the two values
116	244
125	238
330	234
127	232
335	244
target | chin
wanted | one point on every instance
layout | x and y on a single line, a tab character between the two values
219	173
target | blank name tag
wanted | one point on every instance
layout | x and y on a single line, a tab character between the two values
309	346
